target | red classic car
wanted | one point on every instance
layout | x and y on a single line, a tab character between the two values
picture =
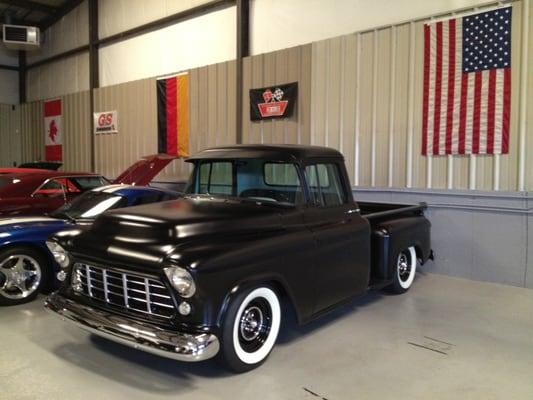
30	191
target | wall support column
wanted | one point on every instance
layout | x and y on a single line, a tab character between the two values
94	73
243	50
22	76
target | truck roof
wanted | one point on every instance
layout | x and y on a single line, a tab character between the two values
285	152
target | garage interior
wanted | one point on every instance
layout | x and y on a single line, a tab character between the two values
462	330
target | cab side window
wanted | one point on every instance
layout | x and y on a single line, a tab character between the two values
325	184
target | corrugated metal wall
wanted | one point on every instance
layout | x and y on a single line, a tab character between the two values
136	105
360	93
284	66
367	102
10	138
32	127
76	131
212	119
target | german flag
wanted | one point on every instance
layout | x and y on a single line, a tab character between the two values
173	115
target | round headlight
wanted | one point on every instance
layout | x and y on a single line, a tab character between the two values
59	253
181	280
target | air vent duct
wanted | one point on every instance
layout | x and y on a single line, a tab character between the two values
19	37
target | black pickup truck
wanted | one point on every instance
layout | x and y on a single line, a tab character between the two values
206	274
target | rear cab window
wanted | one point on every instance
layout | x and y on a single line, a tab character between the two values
325	184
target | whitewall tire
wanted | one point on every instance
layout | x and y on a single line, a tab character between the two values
251	328
404	270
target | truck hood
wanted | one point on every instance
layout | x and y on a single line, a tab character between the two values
188	217
145	235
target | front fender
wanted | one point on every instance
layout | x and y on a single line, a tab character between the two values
276	281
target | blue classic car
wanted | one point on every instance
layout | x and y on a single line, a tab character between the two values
27	265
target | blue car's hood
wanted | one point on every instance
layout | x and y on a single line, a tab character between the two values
29	223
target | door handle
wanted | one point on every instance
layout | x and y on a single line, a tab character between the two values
353	210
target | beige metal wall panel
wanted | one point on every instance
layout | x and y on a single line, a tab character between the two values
31	129
10	137
382	110
361	90
212	119
365	108
400	107
135	103
529	117
284	66
419	164
212	92
509	163
76	132
348	98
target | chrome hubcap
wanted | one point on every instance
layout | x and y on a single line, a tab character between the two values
254	325
21	276
251	323
404	267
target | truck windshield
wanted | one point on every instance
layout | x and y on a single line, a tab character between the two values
258	180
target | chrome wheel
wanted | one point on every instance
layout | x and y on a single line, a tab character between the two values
251	328
406	267
255	324
20	276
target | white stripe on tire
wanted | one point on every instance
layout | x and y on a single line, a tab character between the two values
260	354
407	284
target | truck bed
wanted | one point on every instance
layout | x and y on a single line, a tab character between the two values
376	211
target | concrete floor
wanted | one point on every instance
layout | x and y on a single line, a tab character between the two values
447	338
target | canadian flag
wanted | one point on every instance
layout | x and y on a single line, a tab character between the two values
53	130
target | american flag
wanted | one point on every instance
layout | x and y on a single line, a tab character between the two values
467	84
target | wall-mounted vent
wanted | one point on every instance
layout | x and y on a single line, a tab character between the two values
19	37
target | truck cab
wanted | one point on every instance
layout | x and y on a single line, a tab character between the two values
206	274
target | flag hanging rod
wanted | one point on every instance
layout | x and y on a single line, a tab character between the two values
467	14
172	75
445	15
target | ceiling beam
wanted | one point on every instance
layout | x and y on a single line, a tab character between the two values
31	5
67	7
9	67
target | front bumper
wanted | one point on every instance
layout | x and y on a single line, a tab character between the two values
139	335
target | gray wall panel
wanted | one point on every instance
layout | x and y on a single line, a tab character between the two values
477	235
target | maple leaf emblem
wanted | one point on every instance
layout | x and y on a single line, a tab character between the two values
52	130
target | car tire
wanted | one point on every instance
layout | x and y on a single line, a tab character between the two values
250	328
23	274
404	270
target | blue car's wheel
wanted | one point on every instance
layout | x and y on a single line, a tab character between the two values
23	274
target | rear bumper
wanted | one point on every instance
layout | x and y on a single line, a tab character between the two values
143	336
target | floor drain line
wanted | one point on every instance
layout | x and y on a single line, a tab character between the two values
314	394
427	348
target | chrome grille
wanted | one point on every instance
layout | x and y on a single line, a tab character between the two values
133	292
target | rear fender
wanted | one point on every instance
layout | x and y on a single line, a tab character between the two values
391	237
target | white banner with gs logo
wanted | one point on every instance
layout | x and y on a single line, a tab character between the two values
105	122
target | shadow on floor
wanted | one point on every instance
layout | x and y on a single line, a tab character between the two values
151	373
